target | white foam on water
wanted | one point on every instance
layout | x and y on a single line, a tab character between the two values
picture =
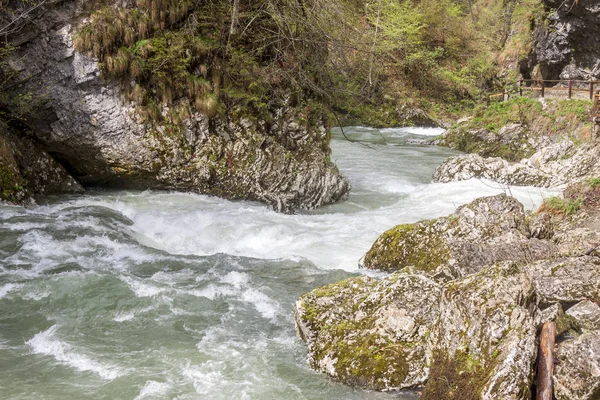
266	306
415	130
9	287
154	389
124	316
141	289
45	343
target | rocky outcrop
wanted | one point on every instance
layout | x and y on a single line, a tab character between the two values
370	333
484	232
483	344
567	47
87	124
475	320
551	166
26	171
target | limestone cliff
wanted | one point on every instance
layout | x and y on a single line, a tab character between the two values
85	118
568	45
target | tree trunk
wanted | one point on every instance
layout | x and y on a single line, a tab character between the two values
545	369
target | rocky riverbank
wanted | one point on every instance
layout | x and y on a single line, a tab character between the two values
460	314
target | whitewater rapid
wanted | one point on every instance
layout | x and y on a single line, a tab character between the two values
140	295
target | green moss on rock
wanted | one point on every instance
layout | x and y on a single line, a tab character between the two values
457	377
418	245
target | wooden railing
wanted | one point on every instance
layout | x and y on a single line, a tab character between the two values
569	86
543	87
596	108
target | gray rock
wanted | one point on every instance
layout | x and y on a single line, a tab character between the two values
484	339
587	315
567	47
577	370
484	232
370	333
551	166
567	279
86	122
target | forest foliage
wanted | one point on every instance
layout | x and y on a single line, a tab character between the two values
364	59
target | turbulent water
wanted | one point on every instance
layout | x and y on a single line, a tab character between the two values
150	295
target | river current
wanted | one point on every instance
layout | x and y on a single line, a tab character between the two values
160	295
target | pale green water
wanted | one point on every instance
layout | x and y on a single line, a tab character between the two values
120	295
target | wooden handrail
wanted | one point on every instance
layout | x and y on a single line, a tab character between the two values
569	86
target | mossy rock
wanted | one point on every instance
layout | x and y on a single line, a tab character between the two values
485	337
369	333
419	245
486	231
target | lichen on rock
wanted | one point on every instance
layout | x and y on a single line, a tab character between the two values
486	319
370	333
484	232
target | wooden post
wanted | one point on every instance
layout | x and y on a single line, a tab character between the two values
520	87
545	367
570	88
591	90
542	88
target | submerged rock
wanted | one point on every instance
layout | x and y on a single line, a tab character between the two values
370	333
483	344
484	232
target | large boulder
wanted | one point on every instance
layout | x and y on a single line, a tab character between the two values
370	333
483	344
88	121
484	232
577	371
566	280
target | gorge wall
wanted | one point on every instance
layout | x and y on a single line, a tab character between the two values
86	120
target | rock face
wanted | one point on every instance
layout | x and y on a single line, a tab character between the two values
568	47
577	372
86	123
462	323
484	232
26	171
551	166
368	333
483	344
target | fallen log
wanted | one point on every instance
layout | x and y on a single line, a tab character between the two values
545	365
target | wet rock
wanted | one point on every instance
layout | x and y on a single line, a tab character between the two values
565	280
577	370
370	333
484	232
483	344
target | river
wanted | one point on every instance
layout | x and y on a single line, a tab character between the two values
159	295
